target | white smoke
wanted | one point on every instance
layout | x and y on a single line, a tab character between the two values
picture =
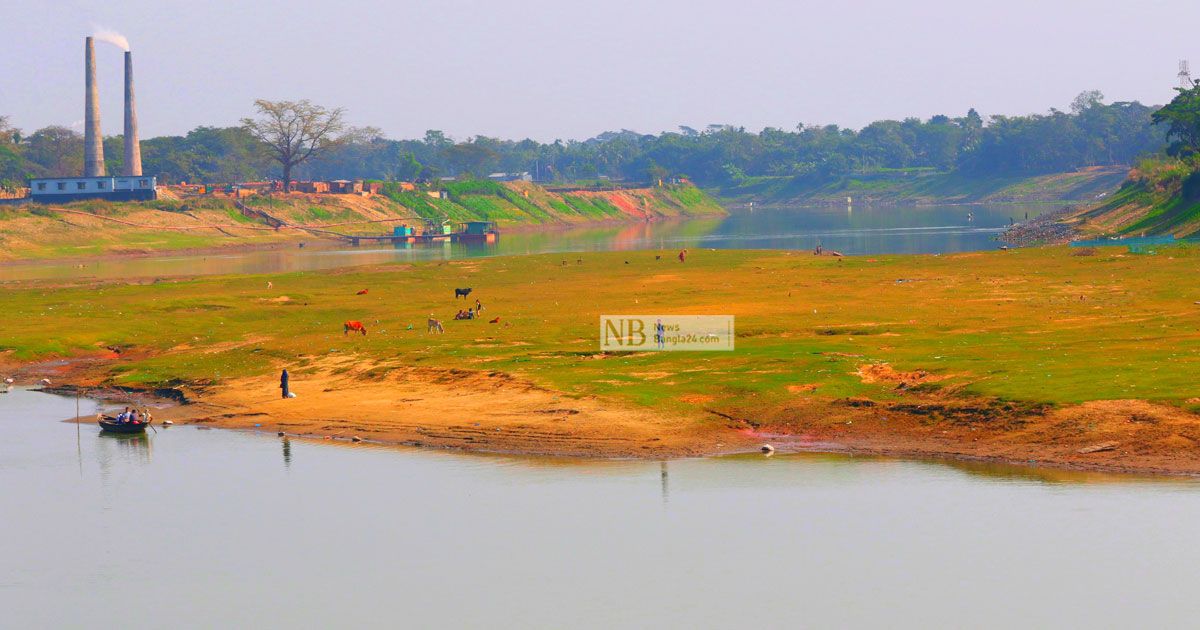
112	37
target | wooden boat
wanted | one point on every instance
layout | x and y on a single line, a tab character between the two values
110	424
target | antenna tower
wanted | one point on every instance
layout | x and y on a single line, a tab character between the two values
1185	74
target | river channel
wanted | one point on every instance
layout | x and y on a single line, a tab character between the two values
188	528
850	230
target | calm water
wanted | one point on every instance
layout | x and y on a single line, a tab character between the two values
192	528
861	230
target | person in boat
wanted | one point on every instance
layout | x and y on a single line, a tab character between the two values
123	417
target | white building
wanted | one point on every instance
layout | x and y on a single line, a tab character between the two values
64	189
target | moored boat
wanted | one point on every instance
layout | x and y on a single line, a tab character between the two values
110	424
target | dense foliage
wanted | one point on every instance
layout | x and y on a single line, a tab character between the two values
1091	133
1182	118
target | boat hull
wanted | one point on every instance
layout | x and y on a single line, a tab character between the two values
112	426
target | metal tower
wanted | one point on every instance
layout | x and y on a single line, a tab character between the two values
1185	74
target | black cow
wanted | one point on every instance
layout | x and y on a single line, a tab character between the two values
462	292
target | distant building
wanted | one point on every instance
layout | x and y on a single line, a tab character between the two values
511	177
345	186
64	189
312	187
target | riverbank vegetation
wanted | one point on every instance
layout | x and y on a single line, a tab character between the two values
970	152
930	186
1026	354
1162	193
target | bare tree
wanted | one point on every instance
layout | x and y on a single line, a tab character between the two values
295	131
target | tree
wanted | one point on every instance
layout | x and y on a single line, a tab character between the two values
294	132
656	173
1086	100
474	157
1182	117
8	135
11	164
55	151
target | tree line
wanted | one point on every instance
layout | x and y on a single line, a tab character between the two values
1091	132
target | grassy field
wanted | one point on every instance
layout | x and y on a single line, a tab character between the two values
1037	325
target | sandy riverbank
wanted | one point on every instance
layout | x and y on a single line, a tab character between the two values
498	413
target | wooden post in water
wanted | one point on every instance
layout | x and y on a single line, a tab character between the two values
78	438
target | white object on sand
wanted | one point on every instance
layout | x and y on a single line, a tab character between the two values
291	394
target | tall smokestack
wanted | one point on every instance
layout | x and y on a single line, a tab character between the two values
133	148
93	142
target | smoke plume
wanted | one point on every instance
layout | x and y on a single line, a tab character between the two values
112	37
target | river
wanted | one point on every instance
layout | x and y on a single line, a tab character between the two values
206	528
850	230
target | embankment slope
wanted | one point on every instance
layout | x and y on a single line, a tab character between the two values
1159	197
90	229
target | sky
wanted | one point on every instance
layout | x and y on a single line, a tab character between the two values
570	69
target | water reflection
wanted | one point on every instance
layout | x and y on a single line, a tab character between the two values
287	453
116	448
663	475
999	471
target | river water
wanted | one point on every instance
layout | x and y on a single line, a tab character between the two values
850	230
200	529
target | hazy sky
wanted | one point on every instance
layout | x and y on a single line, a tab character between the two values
570	69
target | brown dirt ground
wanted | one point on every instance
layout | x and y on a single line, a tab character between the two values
1110	435
471	410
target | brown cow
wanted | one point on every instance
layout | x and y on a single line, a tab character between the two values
355	326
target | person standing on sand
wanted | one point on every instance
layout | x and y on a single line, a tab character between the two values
682	255
283	384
